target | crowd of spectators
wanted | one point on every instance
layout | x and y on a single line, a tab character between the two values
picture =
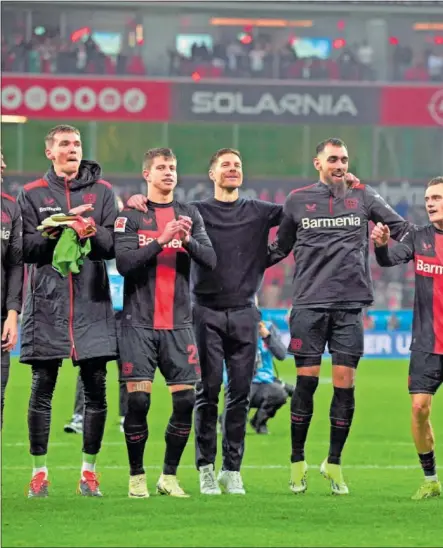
49	54
260	59
255	58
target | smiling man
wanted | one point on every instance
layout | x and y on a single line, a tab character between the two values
424	246
326	226
72	316
154	252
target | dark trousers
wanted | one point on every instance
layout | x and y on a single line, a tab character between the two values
80	396
224	335
267	399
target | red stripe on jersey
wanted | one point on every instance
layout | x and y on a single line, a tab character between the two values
103	182
302	188
438	297
165	275
7	197
432	267
40	183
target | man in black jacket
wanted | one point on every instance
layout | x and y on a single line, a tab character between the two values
326	226
67	317
12	281
154	252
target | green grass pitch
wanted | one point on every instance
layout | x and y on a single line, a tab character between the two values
380	466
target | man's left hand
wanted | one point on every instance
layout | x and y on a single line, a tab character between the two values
185	228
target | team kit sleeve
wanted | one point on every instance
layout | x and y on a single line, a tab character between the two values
14	262
381	212
36	248
199	246
129	256
103	241
286	235
402	252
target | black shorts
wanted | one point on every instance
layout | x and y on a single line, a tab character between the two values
425	372
174	352
312	328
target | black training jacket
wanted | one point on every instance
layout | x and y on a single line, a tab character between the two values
72	316
12	256
328	233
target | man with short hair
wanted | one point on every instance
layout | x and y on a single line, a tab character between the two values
72	316
154	253
11	282
423	245
326	226
225	316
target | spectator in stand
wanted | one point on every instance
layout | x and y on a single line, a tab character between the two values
435	66
347	65
393	322
365	55
368	321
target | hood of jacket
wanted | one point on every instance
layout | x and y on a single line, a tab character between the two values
89	172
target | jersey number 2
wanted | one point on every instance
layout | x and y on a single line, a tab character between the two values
192	354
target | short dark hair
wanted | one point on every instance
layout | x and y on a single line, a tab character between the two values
222	152
334	141
62	128
436	181
157	153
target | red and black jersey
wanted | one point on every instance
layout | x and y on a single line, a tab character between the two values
12	256
423	245
156	287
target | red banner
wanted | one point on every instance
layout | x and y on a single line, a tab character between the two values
87	98
411	106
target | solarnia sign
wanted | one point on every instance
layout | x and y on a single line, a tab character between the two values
275	103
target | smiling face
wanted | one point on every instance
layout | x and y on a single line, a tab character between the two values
161	174
227	171
434	202
64	149
332	164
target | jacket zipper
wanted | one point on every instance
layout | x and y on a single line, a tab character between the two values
71	290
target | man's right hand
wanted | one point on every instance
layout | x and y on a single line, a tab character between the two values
380	235
79	210
169	232
138	202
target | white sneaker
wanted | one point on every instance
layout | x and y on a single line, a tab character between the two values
75	426
168	485
231	482
208	482
137	487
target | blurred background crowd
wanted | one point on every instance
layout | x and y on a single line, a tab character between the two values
304	43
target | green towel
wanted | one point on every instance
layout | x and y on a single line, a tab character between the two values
69	253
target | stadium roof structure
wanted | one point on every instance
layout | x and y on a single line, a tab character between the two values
419	7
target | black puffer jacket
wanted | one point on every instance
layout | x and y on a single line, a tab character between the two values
73	316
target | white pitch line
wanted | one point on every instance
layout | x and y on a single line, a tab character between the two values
244	467
155	442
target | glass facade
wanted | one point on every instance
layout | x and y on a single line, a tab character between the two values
268	150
